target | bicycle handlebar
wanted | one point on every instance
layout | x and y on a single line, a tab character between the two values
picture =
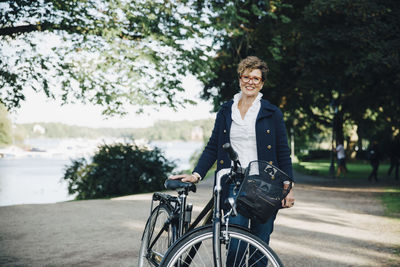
236	168
232	153
178	184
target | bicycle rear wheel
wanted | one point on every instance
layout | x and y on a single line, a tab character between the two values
241	249
157	228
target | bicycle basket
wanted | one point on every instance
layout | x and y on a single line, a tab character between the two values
262	191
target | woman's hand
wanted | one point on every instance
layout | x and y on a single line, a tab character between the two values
185	178
288	202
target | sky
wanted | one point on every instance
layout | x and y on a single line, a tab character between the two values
37	108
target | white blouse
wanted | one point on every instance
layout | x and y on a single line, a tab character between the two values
243	131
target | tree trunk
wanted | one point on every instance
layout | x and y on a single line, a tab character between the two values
338	128
359	142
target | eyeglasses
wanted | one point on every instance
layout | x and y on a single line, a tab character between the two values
246	79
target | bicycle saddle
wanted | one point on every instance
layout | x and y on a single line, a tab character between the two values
177	184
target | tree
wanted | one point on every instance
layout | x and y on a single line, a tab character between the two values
332	62
348	58
245	28
269	30
5	127
108	53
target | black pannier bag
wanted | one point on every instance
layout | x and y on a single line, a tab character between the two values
262	190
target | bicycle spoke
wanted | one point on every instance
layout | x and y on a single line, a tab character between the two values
156	238
255	251
244	256
243	249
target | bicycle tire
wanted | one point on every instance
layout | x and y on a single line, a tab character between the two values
153	256
195	249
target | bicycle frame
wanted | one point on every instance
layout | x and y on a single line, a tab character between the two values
217	223
221	234
178	205
217	215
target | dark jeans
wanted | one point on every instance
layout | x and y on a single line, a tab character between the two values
263	231
374	173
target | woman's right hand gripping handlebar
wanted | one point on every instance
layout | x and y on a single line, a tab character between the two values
191	178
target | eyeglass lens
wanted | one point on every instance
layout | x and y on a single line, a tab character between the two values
255	80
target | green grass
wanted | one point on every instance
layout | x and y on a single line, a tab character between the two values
356	169
391	200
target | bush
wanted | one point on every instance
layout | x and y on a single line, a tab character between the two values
116	170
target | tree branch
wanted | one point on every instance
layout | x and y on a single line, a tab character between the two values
23	29
17	30
324	120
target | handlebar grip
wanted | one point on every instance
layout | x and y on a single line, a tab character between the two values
232	153
178	184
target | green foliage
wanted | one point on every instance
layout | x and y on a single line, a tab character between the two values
260	28
322	54
60	130
5	127
351	47
110	53
179	130
116	170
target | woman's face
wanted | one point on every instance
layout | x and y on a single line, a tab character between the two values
251	82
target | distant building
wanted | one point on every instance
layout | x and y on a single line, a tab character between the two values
38	129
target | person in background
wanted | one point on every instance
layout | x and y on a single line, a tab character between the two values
374	159
394	155
341	157
256	131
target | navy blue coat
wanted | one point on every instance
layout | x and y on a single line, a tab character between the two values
272	143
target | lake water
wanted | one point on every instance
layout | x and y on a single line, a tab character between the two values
36	177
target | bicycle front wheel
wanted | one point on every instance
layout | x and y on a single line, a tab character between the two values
241	249
156	237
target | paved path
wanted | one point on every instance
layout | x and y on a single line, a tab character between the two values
332	224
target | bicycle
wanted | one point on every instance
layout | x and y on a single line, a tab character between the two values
168	221
215	243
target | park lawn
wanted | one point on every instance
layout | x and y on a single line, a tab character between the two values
391	200
357	170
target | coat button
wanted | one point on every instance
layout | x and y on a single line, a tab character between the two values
269	146
221	162
268	131
224	131
271	162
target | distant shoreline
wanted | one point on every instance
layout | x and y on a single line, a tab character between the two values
161	131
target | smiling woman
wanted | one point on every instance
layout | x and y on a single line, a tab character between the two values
256	130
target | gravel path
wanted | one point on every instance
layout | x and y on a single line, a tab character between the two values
334	223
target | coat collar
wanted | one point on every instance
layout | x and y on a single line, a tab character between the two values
266	110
